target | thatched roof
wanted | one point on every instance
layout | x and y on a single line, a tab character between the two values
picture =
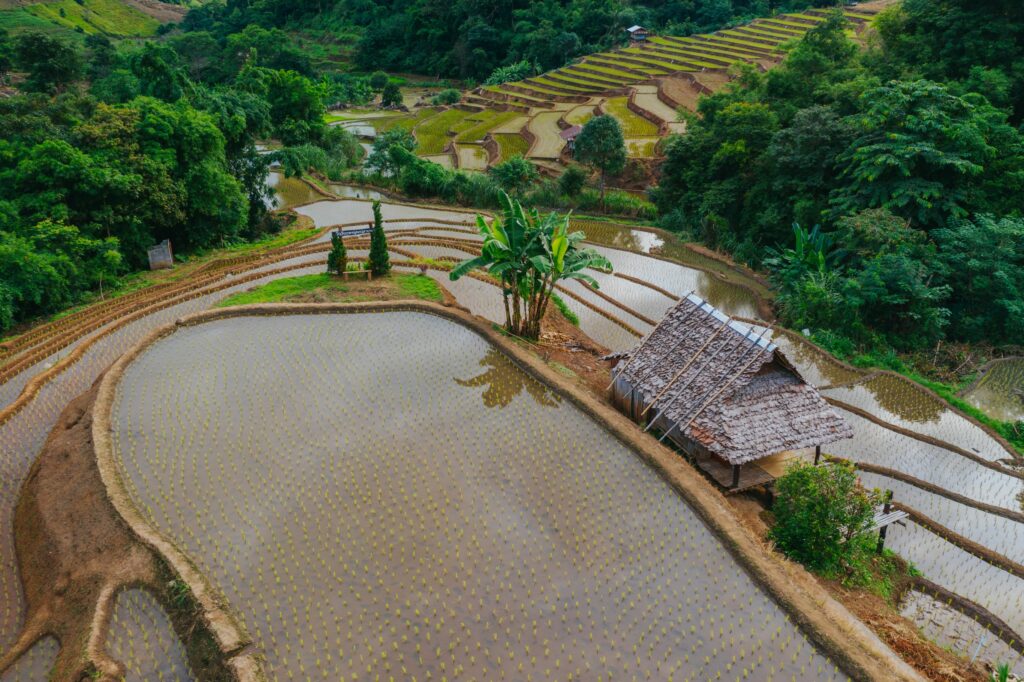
724	385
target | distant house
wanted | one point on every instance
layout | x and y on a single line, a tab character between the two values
569	135
638	34
723	393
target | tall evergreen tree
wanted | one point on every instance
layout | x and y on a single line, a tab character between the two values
380	264
337	257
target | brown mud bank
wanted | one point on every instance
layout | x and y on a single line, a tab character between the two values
76	555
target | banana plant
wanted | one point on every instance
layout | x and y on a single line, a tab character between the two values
529	255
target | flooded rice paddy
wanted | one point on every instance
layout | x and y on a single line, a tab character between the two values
376	507
953	568
948	627
35	664
1000	391
142	638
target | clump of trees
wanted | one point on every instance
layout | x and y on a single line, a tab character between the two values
529	254
909	162
822	517
111	149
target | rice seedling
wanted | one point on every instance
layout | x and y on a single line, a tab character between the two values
35	664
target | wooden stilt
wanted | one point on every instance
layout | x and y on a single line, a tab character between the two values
881	531
817	454
736	475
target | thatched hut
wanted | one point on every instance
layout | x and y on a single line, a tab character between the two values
722	392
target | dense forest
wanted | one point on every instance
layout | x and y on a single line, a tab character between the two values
882	188
112	149
468	39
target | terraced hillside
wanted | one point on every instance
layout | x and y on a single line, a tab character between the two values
115	18
642	85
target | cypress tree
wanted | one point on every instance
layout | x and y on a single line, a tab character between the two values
337	258
380	264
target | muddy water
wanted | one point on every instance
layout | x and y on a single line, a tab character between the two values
947	627
730	298
142	638
816	368
325	213
376	507
354	192
658	243
290	192
1000	392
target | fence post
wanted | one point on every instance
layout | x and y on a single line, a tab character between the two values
817	454
881	531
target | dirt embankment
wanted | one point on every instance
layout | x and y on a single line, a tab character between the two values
75	554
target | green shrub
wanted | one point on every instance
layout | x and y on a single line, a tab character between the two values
337	258
572	180
449	96
822	515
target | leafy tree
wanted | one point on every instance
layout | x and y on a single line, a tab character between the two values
514	175
391	96
380	263
983	261
917	149
378	80
529	255
572	180
6	55
382	158
337	257
600	145
822	516
52	63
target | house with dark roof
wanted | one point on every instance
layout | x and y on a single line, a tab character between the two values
721	391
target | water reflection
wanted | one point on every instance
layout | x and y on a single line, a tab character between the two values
504	381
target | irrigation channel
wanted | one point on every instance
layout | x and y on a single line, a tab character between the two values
951	473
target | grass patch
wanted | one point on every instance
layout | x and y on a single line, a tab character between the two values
566	311
324	288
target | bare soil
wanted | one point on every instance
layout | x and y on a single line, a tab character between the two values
75	553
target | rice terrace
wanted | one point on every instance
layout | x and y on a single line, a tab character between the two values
595	360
